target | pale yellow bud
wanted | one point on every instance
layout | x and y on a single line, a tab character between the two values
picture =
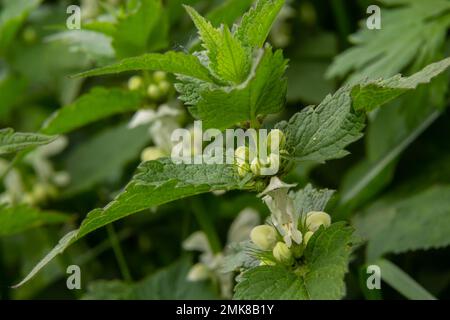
255	166
307	236
241	155
159	76
135	83
264	237
243	169
164	87
151	153
153	91
315	219
282	253
198	272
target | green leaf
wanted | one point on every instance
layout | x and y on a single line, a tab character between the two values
11	141
173	62
400	223
166	284
99	103
402	282
382	53
229	60
12	91
19	218
321	277
261	94
144	28
119	144
370	95
13	14
156	183
256	24
309	199
321	133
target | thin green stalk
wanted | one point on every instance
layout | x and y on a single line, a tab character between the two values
205	222
115	244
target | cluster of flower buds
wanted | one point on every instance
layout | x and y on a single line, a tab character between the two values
268	238
157	89
247	161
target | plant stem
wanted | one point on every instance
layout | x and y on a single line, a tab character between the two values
124	270
206	224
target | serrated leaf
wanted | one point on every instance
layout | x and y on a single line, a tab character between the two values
321	133
421	24
401	223
322	276
309	199
156	183
262	93
228	59
99	103
171	61
370	95
256	24
11	141
228	12
18	218
119	144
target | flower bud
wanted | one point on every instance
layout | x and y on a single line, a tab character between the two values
241	155
198	272
159	76
135	83
153	92
307	236
276	138
164	87
255	166
282	253
315	219
264	237
151	153
243	169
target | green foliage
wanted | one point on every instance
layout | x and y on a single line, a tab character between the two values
326	259
17	219
11	141
99	103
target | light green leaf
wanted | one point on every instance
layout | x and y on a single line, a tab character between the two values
11	141
370	95
402	282
119	144
228	59
156	183
261	94
321	277
173	62
12	16
166	284
256	24
18	218
401	223
99	103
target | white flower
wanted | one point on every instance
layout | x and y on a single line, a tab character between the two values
281	206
